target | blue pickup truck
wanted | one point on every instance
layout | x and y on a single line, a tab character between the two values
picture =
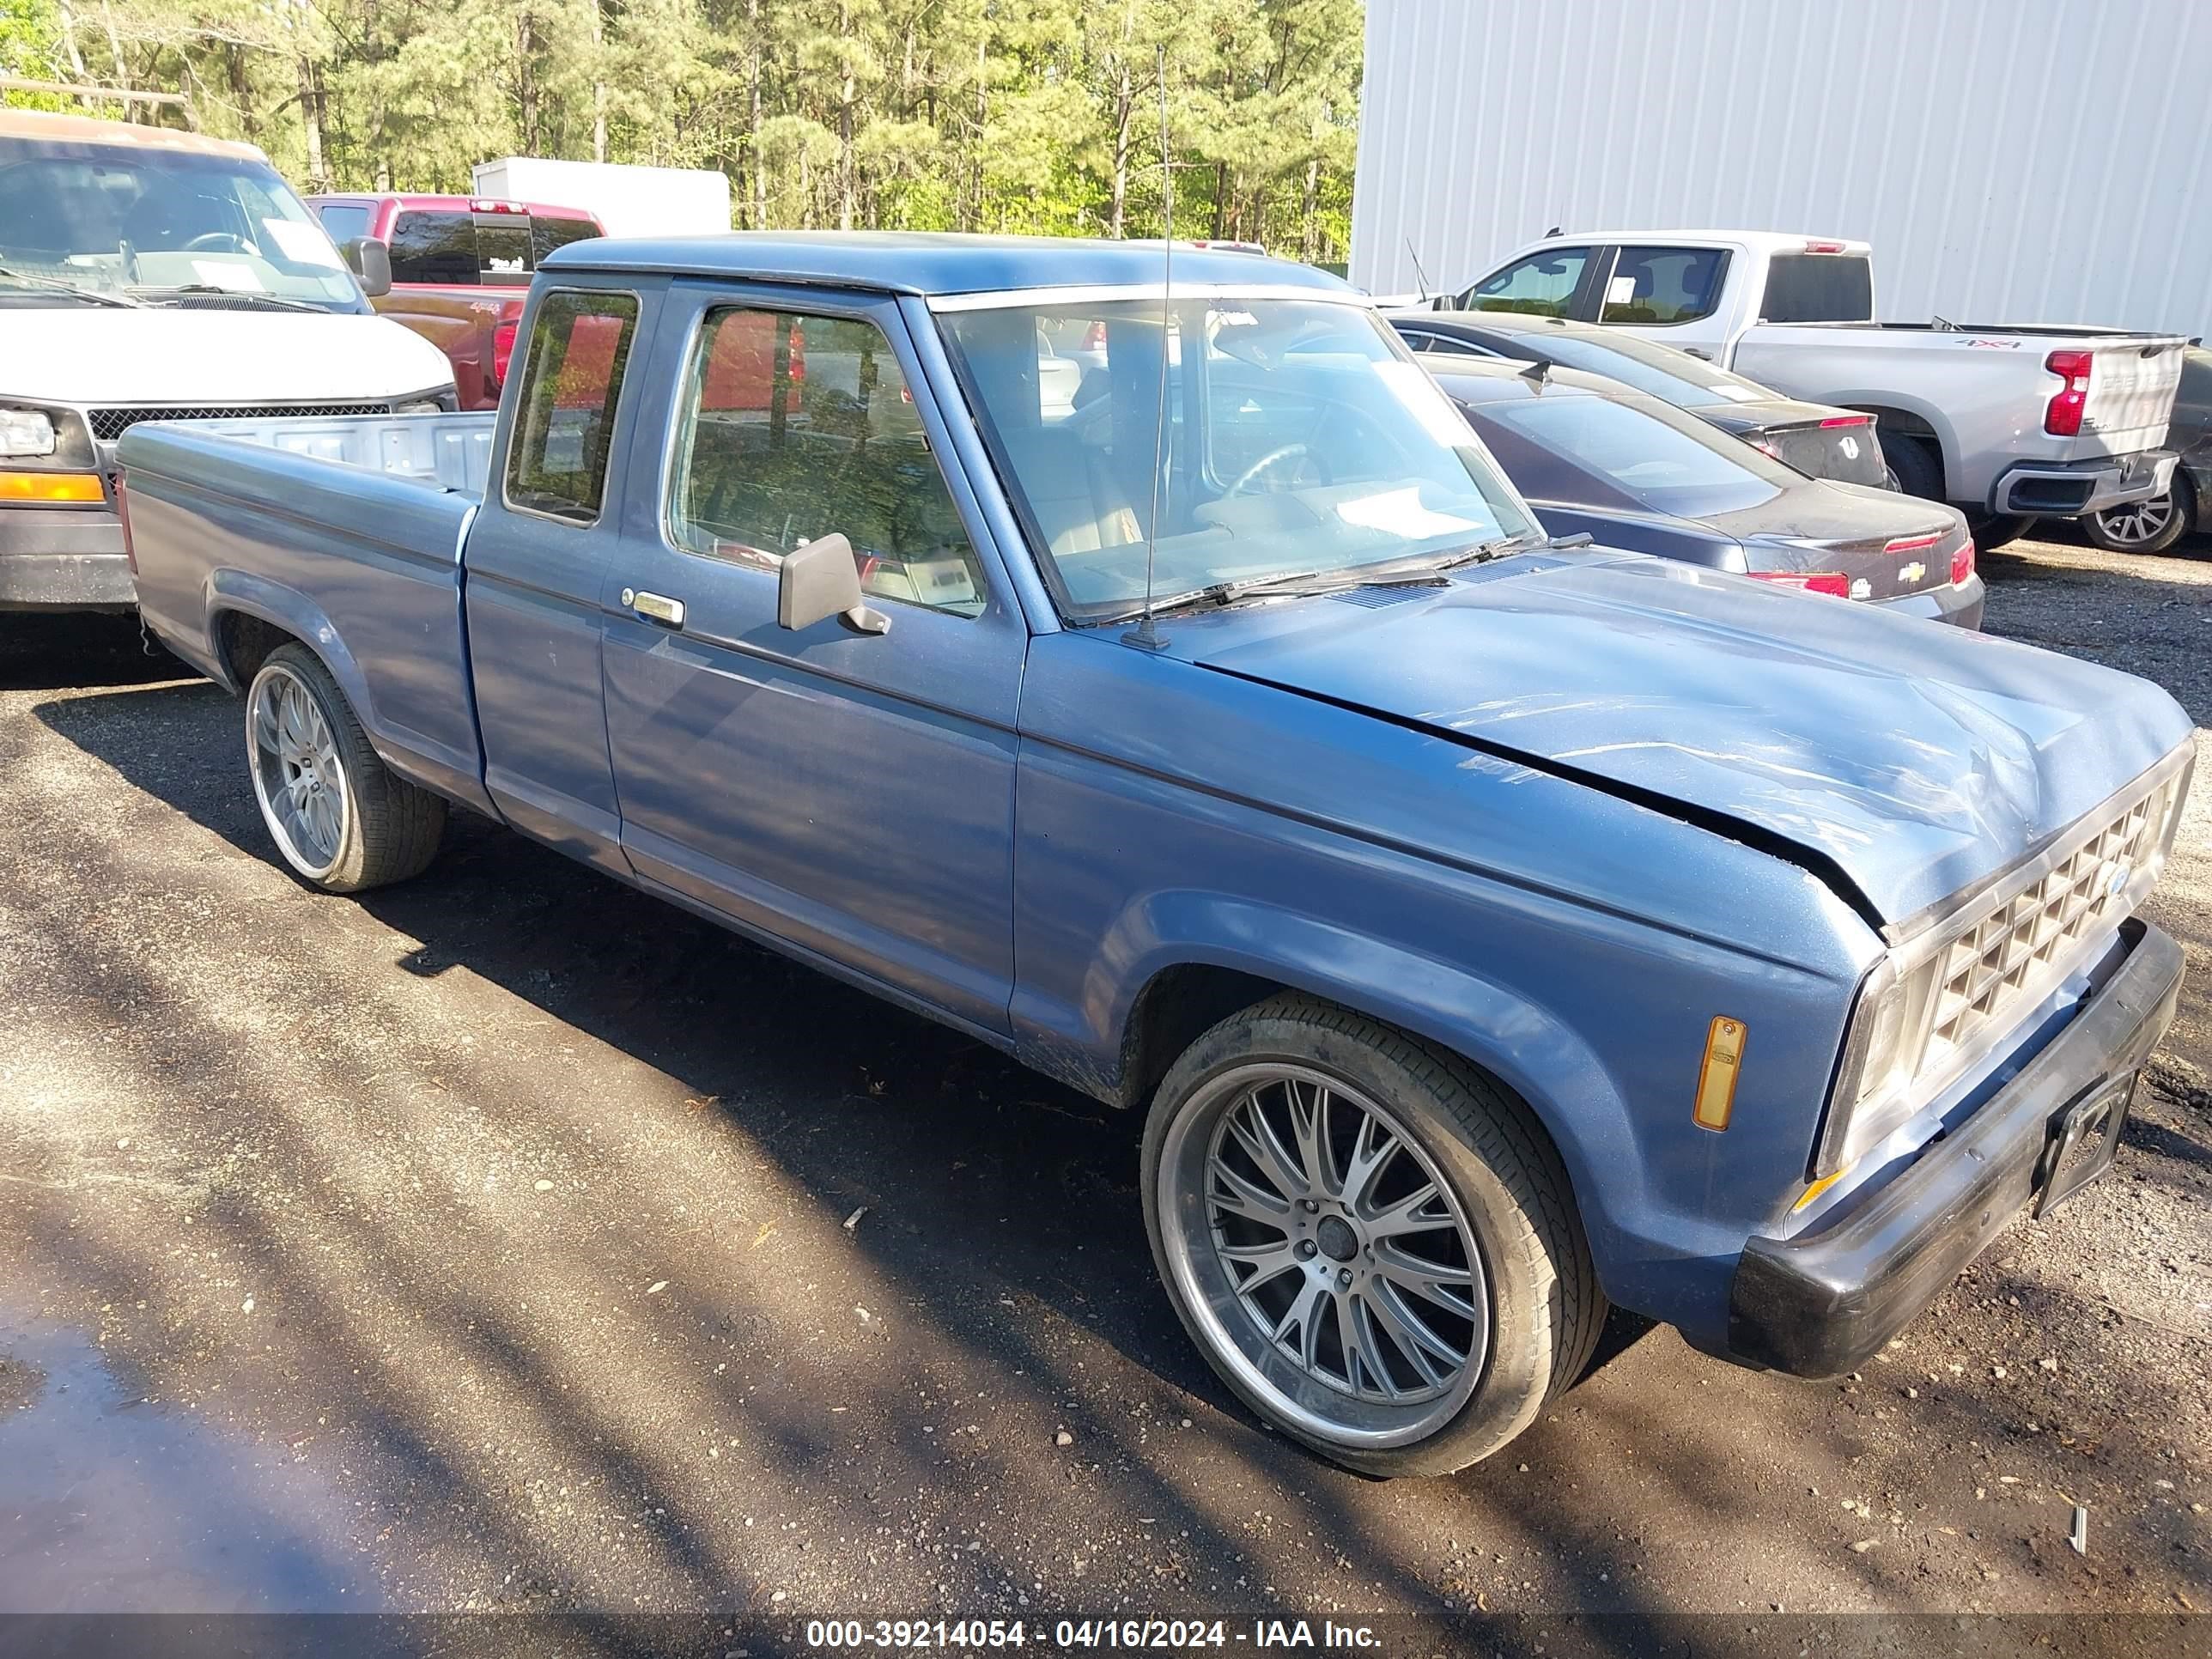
1154	679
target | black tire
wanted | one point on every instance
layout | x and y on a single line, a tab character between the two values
1544	1307
2130	529
1915	464
1990	530
385	829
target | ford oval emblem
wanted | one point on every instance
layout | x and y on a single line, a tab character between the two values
2116	883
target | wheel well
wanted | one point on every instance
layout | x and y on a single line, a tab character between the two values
244	643
1175	1007
1901	422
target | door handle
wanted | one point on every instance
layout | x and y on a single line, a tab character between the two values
654	607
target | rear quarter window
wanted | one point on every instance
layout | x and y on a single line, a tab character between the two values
546	234
435	248
1818	288
344	221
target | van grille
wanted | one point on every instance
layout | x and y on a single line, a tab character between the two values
109	424
2014	954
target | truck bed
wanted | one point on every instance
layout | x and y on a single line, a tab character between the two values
346	531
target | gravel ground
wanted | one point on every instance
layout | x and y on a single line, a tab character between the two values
507	1241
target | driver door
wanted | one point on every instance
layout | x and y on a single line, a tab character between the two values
848	794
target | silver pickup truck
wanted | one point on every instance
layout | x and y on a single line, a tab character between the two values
2008	424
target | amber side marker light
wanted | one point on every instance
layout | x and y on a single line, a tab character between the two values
1717	1077
69	489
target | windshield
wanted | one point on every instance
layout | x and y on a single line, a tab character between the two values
144	222
1664	460
1302	440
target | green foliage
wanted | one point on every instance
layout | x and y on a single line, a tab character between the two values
1016	115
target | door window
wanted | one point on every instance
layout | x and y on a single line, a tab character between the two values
1541	285
564	421
796	427
1660	286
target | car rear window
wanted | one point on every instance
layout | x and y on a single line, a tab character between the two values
1818	288
1672	376
1670	462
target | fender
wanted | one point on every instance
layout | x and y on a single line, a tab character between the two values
453	775
1881	402
1520	1042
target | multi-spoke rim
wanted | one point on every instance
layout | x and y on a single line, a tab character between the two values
2138	522
1325	1254
298	777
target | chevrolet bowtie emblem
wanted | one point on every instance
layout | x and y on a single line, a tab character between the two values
1911	573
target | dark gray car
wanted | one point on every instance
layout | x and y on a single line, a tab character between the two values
1819	439
2156	523
1592	456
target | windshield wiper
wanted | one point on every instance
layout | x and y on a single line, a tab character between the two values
62	285
1297	583
247	295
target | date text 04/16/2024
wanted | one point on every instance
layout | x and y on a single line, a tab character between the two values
1157	1635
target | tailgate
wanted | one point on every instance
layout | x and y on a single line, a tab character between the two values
2131	387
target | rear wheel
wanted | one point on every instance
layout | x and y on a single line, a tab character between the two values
2150	526
1372	1244
1915	465
338	815
1990	530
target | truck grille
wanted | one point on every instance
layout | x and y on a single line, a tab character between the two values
2014	955
109	424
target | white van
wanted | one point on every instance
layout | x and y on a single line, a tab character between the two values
146	274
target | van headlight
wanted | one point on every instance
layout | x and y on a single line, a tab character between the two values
1882	1051
26	433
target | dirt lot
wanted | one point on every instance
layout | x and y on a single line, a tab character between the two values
507	1241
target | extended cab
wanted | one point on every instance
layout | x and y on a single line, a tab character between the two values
146	274
2008	424
460	269
1489	928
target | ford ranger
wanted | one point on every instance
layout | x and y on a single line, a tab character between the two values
1158	682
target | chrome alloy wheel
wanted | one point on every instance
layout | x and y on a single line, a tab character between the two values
298	777
2139	523
1326	1258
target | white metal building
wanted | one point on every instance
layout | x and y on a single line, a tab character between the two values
2011	161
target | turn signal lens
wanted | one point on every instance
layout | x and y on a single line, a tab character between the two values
1962	563
69	489
1833	583
1717	1077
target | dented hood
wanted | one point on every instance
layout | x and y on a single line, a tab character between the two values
1908	758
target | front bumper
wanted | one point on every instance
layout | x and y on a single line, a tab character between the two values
2067	489
1959	604
1822	1304
64	558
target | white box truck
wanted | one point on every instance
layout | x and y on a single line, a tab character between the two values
629	201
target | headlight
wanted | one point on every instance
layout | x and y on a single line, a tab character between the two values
421	406
1881	1056
27	432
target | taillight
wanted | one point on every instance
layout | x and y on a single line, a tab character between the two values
1833	583
502	350
123	513
2063	418
1824	248
1962	563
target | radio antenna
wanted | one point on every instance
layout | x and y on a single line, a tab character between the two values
1144	634
1420	275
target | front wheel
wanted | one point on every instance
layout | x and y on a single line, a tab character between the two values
2150	526
340	818
1373	1244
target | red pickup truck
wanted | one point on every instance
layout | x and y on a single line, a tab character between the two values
460	269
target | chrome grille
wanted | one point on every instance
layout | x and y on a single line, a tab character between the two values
109	424
2014	955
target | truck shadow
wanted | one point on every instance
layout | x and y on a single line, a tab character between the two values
40	652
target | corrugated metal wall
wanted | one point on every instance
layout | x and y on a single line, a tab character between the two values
2011	161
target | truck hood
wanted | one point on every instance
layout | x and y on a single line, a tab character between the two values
97	355
1900	758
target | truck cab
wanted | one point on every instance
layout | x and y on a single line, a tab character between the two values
460	269
152	274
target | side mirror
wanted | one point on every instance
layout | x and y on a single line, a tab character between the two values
820	580
369	259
